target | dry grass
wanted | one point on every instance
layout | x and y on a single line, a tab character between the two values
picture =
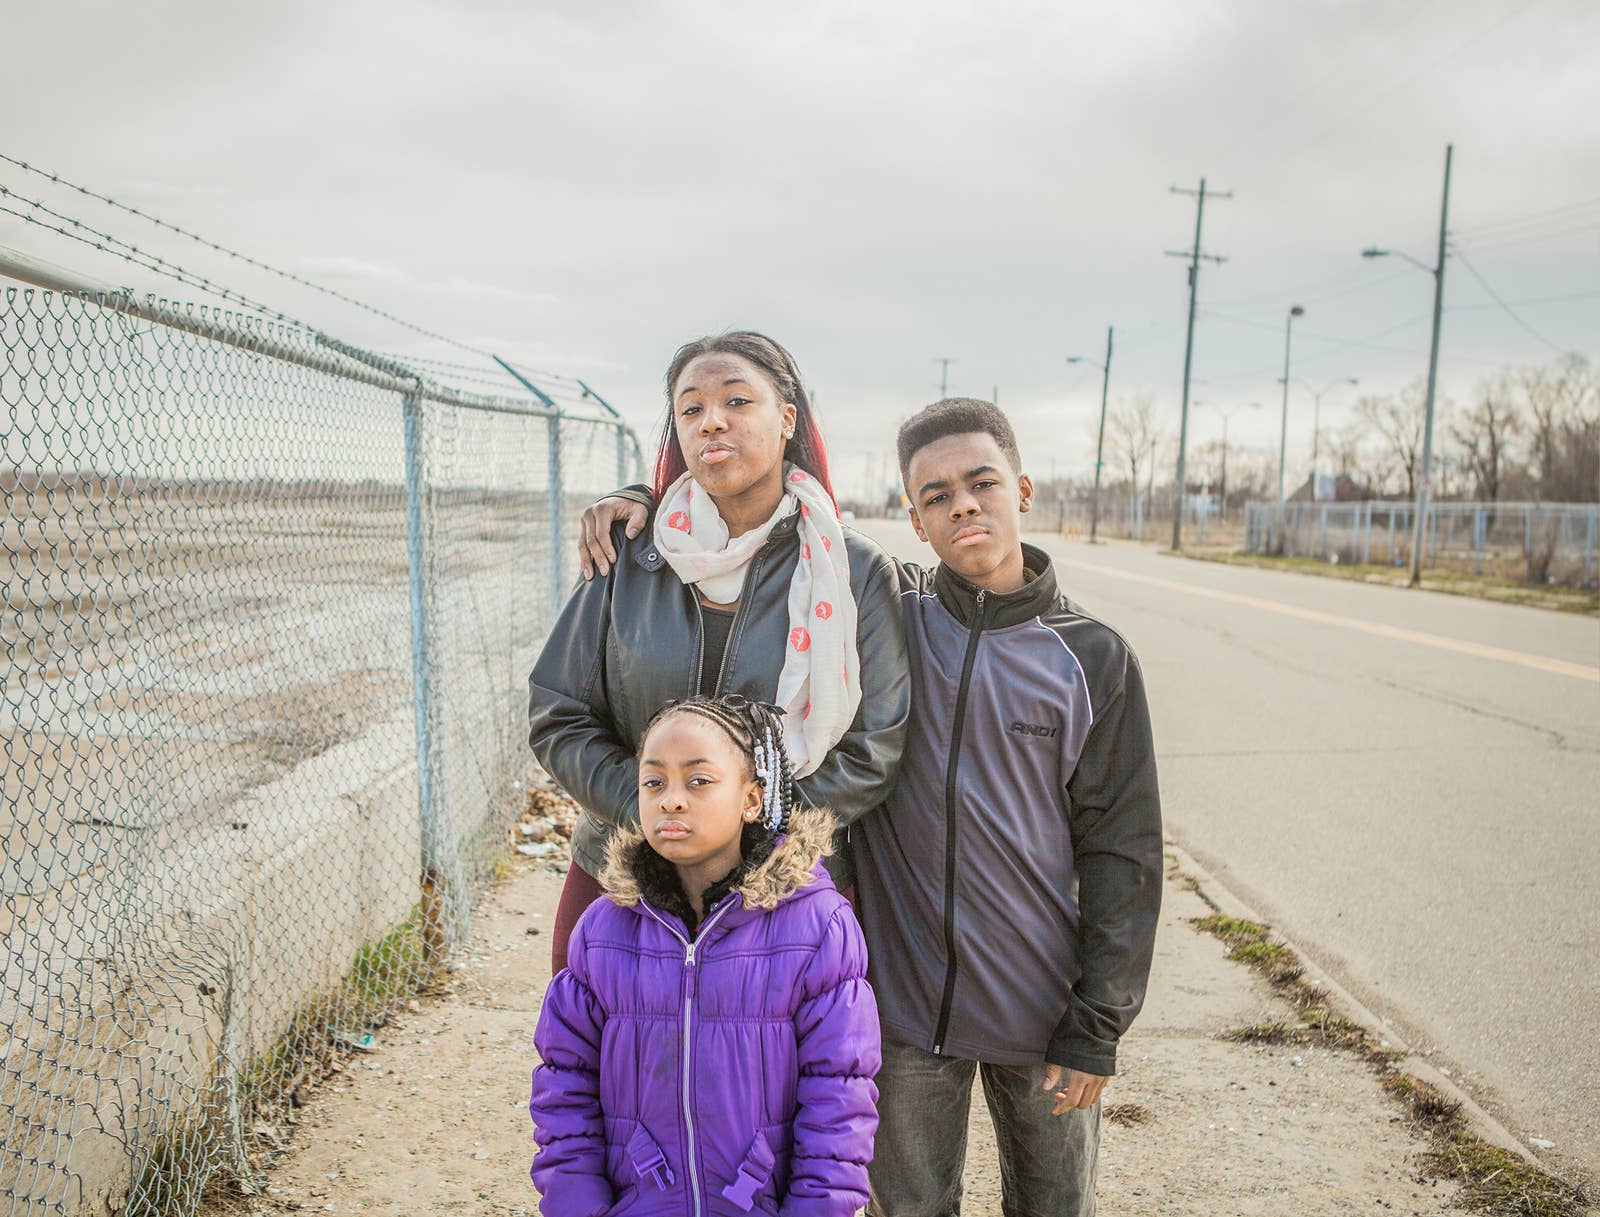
1128	1114
1560	597
1494	1181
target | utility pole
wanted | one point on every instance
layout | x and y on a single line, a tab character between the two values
1195	256
1433	377
1100	443
944	363
1283	433
996	397
1437	271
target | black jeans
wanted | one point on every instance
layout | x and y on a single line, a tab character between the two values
1047	1163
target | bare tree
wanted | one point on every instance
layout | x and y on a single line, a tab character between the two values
1563	401
1485	434
1131	433
1398	423
1348	449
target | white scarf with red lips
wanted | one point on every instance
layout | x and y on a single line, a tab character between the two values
819	688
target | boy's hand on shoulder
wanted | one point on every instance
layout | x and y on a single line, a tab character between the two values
1082	1090
594	531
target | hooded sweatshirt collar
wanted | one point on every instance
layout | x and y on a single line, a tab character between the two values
1000	609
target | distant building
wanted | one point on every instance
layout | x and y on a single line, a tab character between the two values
1332	488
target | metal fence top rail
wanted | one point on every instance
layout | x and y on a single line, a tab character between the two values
250	334
1448	506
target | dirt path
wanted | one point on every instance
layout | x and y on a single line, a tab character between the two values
435	1119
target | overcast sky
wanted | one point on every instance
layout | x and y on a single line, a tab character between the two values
583	186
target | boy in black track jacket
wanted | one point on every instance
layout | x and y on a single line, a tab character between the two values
1010	887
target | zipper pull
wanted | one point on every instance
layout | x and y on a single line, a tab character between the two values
689	970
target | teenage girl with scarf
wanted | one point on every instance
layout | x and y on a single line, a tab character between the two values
745	582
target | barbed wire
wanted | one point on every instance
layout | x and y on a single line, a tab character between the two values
290	276
107	243
84	233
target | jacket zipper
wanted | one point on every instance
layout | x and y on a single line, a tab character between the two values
951	826
688	1026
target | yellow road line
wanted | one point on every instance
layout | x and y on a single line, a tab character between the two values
1538	663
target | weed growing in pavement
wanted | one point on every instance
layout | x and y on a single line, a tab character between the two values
1127	1114
1493	1180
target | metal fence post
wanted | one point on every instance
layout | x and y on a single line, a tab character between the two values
1322	541
622	454
1588	548
435	845
1477	541
557	497
1366	536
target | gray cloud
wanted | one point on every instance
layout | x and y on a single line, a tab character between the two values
589	185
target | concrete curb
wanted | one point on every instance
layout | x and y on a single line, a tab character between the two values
1215	893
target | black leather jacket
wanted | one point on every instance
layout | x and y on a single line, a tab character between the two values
629	641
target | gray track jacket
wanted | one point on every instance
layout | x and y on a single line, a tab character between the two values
1011	885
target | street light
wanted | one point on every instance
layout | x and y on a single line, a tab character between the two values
1283	434
1100	444
1437	271
1226	415
1316	417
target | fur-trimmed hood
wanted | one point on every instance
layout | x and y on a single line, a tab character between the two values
791	866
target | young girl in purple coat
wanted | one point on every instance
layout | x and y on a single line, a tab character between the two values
710	1047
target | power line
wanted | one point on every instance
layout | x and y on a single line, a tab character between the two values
1462	258
1530	218
1510	242
241	257
1534	300
1339	343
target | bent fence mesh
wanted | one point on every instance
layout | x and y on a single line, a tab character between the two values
1533	542
222	861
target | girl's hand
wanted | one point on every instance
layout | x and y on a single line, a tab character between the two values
1082	1089
594	534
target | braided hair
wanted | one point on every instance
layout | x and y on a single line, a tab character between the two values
756	729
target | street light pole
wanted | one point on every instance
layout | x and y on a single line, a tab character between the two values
1100	443
1283	434
1437	271
1226	415
1316	420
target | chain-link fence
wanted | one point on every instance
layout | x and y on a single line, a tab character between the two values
1134	518
1533	542
270	603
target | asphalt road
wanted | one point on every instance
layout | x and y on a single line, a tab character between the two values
1405	783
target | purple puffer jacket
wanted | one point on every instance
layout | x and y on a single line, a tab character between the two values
728	1075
